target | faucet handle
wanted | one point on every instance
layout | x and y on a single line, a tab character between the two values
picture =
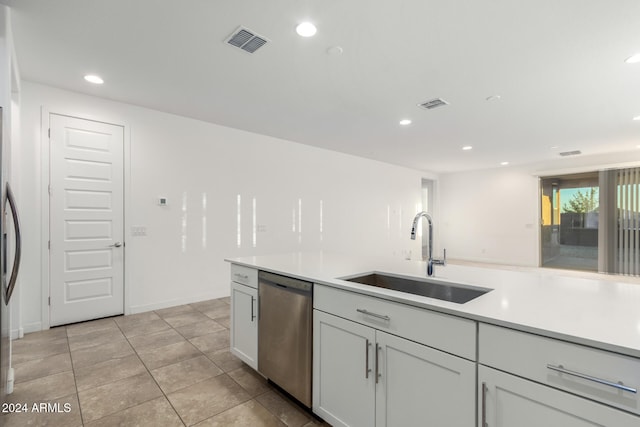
442	261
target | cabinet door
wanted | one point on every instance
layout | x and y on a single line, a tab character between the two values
244	323
419	385
343	371
507	400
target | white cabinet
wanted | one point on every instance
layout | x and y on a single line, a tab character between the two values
450	334
419	385
366	377
244	315
343	375
585	371
507	401
529	380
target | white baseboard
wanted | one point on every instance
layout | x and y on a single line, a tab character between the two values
28	328
172	303
10	377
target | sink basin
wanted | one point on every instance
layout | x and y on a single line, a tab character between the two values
426	287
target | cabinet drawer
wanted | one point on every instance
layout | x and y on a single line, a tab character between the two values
596	374
447	333
244	275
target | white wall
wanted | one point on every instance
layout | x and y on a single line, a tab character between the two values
367	206
493	215
490	216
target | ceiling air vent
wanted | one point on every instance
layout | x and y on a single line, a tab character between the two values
434	103
246	39
570	153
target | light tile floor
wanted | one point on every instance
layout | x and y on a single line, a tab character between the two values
169	367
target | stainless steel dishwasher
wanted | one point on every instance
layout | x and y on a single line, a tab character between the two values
285	333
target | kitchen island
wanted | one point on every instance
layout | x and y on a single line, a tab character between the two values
565	345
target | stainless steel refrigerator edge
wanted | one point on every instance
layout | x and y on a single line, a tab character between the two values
4	308
7	206
285	333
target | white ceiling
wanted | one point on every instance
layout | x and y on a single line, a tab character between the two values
558	66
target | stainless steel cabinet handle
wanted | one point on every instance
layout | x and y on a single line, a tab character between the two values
378	374
253	315
366	359
618	385
242	276
484	405
116	245
368	313
18	252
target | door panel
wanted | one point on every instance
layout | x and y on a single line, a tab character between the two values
508	401
343	374
419	385
87	220
244	323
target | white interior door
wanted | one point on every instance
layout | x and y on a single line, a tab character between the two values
86	220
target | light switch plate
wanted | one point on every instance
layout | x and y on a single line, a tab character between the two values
138	231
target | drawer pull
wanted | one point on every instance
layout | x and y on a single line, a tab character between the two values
484	405
242	276
378	374
369	313
366	358
619	386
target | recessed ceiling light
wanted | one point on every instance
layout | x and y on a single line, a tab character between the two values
92	78
636	118
467	147
306	29
405	122
633	59
335	50
493	98
504	163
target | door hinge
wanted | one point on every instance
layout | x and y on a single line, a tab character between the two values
49	189
49	244
49	132
49	300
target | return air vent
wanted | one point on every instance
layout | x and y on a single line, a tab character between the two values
570	153
434	103
246	39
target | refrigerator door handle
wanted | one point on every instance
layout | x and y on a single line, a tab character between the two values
16	260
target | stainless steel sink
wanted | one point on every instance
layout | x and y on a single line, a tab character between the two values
432	288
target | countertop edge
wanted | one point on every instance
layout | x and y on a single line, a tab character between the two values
442	307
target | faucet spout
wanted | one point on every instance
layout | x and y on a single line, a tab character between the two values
431	262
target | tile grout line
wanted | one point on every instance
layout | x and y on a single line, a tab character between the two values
222	321
202	354
224	373
154	379
251	398
73	372
149	371
110	382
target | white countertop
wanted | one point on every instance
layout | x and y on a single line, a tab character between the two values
599	310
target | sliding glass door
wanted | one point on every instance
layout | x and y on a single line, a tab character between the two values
591	221
570	205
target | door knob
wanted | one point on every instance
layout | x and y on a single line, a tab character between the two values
116	245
